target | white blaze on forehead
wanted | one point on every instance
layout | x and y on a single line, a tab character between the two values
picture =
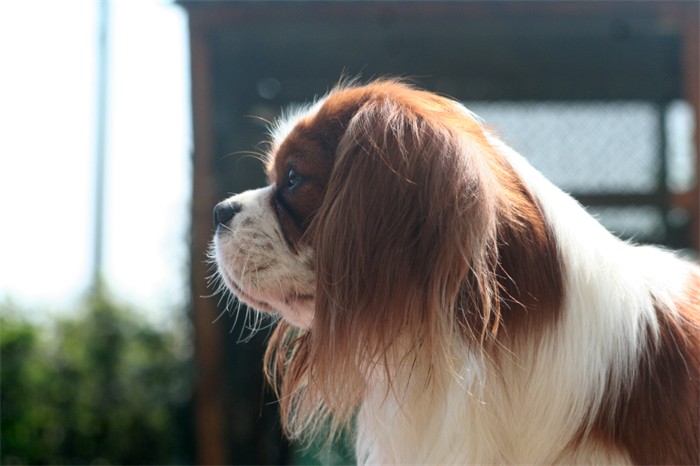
289	118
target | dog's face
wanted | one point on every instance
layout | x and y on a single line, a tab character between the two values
263	246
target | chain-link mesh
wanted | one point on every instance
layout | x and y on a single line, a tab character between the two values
603	150
583	147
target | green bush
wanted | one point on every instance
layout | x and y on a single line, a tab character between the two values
102	387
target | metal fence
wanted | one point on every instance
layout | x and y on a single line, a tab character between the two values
623	159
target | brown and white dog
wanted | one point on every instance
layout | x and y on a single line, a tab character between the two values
439	293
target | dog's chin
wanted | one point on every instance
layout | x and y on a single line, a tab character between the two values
297	310
300	316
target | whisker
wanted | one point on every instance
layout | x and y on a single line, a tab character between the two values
256	155
260	118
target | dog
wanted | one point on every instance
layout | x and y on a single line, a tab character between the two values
445	302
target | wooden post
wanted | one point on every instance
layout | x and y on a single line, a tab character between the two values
691	92
209	399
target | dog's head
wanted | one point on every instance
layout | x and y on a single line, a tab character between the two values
380	235
366	195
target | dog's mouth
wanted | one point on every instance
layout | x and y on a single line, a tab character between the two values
255	303
296	308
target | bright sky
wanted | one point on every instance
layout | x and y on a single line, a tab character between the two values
47	105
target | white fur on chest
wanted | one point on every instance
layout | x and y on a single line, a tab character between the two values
474	419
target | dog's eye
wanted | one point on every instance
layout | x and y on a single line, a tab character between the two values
293	178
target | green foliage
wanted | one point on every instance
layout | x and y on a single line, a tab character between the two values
103	387
338	452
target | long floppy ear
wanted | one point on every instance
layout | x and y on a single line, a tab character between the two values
406	215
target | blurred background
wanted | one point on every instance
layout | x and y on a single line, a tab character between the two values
95	187
124	123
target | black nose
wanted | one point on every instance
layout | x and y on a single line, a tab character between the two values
224	212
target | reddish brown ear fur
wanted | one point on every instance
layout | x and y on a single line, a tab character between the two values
404	216
404	213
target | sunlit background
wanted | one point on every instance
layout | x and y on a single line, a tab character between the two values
95	354
48	112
